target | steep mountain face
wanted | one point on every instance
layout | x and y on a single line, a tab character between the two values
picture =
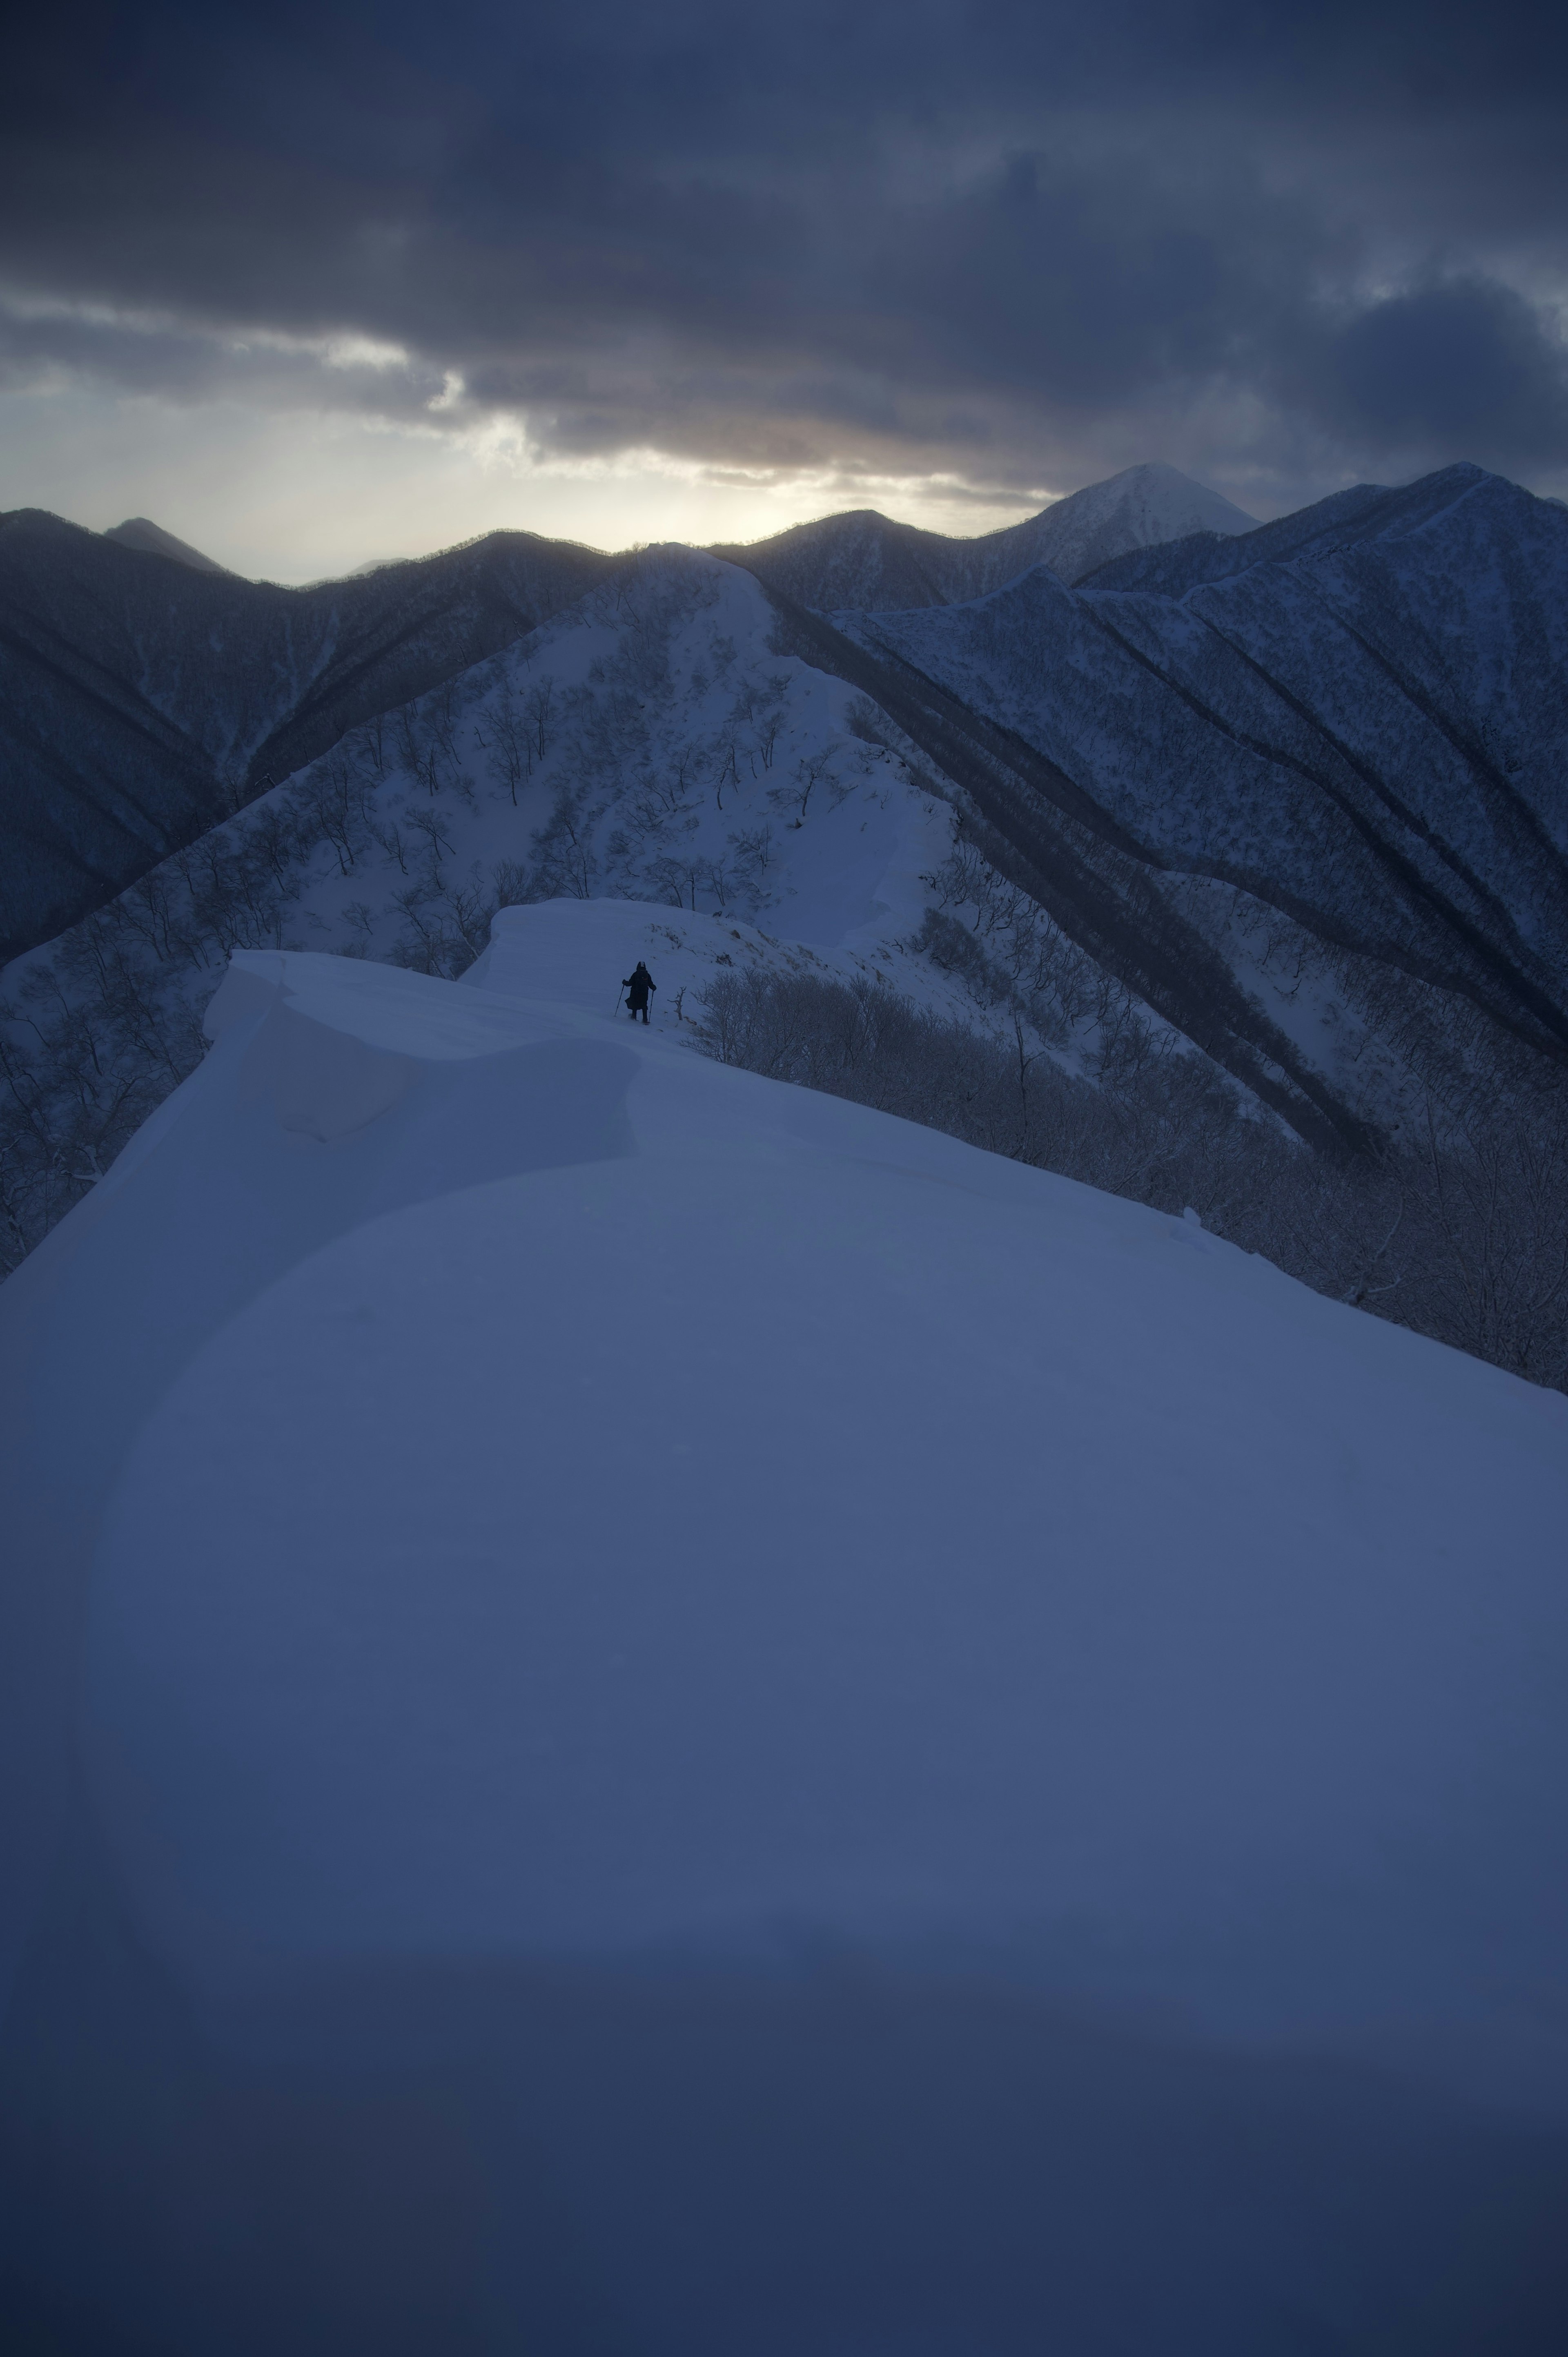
142	699
1357	718
1143	507
139	703
863	561
140	531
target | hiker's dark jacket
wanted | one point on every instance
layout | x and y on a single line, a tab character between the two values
636	987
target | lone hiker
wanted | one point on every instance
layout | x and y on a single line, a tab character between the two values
637	989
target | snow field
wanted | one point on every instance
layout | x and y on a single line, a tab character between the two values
544	1504
591	1498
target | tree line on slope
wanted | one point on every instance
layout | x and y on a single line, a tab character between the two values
1459	1233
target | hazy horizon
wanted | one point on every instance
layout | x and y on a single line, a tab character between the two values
296	578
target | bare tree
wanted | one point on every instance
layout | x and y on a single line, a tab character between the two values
540	709
513	739
810	772
436	830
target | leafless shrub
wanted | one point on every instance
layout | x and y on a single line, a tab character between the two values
811	771
512	739
1463	1235
866	722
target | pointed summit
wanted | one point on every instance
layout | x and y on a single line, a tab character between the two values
141	533
862	560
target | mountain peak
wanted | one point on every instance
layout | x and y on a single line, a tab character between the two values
861	559
152	540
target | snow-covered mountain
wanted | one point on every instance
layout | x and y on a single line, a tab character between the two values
641	1710
142	700
1141	508
864	561
650	742
1336	922
645	1711
1356	719
139	706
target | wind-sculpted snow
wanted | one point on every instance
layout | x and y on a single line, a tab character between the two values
650	1712
143	700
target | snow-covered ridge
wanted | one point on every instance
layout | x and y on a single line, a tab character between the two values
140	531
568	1541
653	744
864	562
1317	874
139	703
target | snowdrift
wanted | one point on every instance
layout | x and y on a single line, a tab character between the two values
645	1712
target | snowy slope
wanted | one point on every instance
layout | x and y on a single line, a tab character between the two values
1141	508
1356	718
138	706
650	742
1301	805
142	701
862	561
649	1712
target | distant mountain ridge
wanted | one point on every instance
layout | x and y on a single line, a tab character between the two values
863	562
1358	715
141	699
140	531
146	692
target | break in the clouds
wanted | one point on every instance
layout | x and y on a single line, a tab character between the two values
994	249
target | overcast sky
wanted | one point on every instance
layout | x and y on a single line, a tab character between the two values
313	285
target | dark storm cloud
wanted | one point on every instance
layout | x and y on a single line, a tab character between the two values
1456	362
996	239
